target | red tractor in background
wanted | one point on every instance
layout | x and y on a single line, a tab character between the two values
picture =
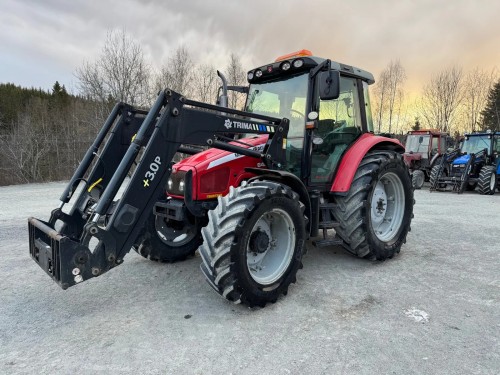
423	150
299	159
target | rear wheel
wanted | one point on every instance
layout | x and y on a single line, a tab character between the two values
487	180
253	243
417	179
164	240
376	213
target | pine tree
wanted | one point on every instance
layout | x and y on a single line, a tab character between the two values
491	113
56	89
417	124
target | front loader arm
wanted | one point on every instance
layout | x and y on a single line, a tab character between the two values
68	256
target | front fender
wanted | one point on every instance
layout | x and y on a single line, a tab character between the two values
352	158
288	179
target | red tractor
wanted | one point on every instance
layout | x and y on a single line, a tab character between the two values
301	157
423	150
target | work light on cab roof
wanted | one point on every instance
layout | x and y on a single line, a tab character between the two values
291	62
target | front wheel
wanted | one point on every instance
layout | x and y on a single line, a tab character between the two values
487	180
417	179
253	243
376	213
434	177
164	240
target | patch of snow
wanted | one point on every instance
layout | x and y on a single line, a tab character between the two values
419	316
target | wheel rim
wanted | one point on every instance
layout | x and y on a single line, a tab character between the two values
493	181
387	207
174	236
267	262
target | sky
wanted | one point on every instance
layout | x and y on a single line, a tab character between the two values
42	41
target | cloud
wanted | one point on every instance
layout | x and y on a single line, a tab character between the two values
52	38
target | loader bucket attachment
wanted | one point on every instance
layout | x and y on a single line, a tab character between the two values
101	226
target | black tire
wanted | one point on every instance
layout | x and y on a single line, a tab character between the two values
418	179
434	176
487	181
230	235
151	245
357	215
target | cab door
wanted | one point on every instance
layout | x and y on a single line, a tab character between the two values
339	124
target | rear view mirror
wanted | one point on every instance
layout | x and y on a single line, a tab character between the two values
329	85
420	139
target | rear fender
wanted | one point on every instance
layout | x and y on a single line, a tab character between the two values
352	158
288	179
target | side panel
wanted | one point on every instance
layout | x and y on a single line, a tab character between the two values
352	158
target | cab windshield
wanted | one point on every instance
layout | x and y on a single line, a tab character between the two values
475	144
283	98
417	143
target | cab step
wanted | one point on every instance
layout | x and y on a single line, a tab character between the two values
332	241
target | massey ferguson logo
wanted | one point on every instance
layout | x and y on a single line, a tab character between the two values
238	125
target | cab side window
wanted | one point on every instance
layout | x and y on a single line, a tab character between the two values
339	124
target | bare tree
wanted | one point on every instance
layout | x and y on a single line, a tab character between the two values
389	94
380	98
477	85
236	76
27	144
177	74
205	83
441	98
396	77
119	74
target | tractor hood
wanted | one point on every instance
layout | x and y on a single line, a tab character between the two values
461	159
215	170
207	158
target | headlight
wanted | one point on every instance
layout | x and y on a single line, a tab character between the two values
258	73
176	184
250	76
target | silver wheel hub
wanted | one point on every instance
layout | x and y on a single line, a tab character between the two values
387	207
271	246
493	181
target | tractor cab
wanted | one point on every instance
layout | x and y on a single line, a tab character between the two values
424	144
480	145
423	148
323	124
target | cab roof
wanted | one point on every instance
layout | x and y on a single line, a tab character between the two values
301	61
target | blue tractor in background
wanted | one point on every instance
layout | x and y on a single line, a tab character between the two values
475	165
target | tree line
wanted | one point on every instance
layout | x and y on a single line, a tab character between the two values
452	101
44	134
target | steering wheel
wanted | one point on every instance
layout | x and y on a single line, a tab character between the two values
298	113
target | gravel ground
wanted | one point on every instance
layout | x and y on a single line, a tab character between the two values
434	309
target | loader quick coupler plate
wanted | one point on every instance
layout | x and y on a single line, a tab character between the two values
63	259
